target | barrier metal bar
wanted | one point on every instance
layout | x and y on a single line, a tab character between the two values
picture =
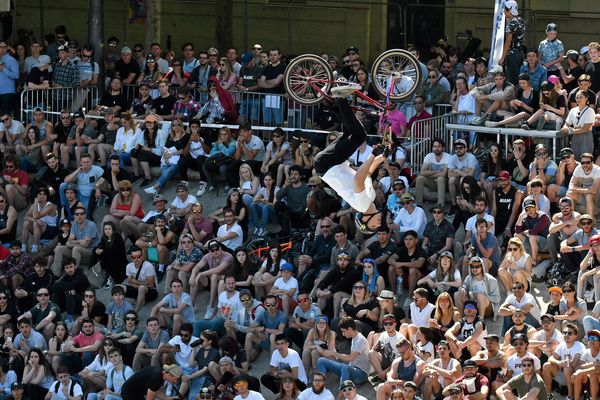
422	134
53	100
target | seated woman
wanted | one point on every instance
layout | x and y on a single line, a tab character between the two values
278	156
464	105
111	254
249	184
445	278
579	125
552	108
177	77
30	152
151	75
41	220
320	335
269	271
127	340
526	103
375	282
444	317
123	204
128	138
263	206
516	266
173	149
469	191
38	374
142	105
221	150
148	154
360	306
219	107
493	165
234	202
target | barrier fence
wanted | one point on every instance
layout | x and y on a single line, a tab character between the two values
422	134
53	100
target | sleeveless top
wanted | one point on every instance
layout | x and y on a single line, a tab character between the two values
468	328
504	203
127	207
12	235
407	373
42	129
48	219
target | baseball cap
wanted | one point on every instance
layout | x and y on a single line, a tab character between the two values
555	289
246	57
519	336
173	369
225	359
476	260
493	336
314	181
469	363
566	151
470	302
78	114
529	203
65	222
460	142
389	317
526	359
584	50
347	384
554	79
287	267
446	254
246	292
505	175
512	6
158	198
551	27
125	50
343	254
550	316
16	385
214	244
399	182
540	146
43	60
407	197
352	48
452	388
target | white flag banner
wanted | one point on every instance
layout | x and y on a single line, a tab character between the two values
497	34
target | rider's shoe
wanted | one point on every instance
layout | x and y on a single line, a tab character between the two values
340	92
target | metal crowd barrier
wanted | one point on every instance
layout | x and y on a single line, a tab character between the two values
53	100
422	134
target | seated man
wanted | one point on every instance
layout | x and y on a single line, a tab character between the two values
384	350
41	220
566	359
536	193
564	224
410	218
25	294
433	172
228	306
79	352
230	234
285	364
529	385
465	337
84	238
585	183
242	319
27	339
337	282
176	306
262	332
438	236
15	183
141	279
134	228
542	167
354	366
564	175
483	244
408	263
588	371
146	352
67	292
89	181
520	300
494	96
532	228
461	164
302	320
479	286
480	213
16	267
161	240
574	249
473	383
44	315
117	375
505	206
65	385
117	309
185	260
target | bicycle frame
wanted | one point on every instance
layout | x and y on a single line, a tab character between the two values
283	247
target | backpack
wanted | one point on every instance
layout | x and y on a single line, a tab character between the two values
559	273
71	387
112	376
96	276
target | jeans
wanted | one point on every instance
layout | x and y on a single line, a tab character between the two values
271	114
94	396
167	172
217	325
267	213
345	371
507	323
6	102
340	150
590	323
75	363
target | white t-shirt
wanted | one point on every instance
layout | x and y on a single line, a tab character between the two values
576	119
127	141
236	241
290	361
16	129
308	394
421	317
566	353
435	165
586	180
433	274
228	307
252	395
178	203
587	356
292	283
390	342
471	222
147	270
341	179
526	299
358	158
60	395
415	221
557	336
182	357
514	363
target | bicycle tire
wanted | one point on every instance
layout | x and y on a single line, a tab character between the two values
253	244
405	65
293	257
300	71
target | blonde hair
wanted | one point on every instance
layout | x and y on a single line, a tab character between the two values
353	301
228	69
518	242
438	309
252	176
127	116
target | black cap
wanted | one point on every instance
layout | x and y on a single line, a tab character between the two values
15	243
346	384
78	114
469	363
352	48
493	337
214	244
529	203
246	292
16	385
519	336
566	151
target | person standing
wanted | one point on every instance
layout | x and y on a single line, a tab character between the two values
514	33
9	73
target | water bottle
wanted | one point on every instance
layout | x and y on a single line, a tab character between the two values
399	284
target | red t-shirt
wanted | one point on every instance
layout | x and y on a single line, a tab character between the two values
82	340
480	381
18	177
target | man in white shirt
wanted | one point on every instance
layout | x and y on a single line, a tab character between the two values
520	299
64	388
410	217
11	132
434	172
230	234
546	339
471	226
585	182
180	348
286	364
318	391
240	383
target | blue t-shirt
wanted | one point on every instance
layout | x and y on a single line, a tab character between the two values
468	161
188	311
36	339
86	181
271	322
89	230
118	314
489	242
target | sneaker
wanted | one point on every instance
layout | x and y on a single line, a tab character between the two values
541	123
109	283
452	210
491	124
151	190
210	313
374	379
260	231
525	126
226	188
479	121
341	92
201	189
212	190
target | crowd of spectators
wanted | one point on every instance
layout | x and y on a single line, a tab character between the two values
407	309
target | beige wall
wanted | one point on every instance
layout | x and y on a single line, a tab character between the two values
576	25
315	25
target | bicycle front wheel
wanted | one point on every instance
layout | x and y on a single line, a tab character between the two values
307	79
398	72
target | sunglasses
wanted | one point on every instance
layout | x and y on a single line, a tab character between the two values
43	294
388	323
358	287
215	250
437	212
62	117
470	307
527	365
186	241
586	222
130	318
126	190
517	287
513	248
257	48
586	162
593	338
177	65
246	299
568	333
270	304
4	120
474	266
348	389
568	291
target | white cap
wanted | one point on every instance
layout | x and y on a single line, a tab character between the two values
512	6
43	60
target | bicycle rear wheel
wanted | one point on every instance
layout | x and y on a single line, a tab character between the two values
252	245
401	67
307	79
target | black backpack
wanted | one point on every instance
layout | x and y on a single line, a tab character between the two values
71	387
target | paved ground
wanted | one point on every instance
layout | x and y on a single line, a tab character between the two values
213	202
